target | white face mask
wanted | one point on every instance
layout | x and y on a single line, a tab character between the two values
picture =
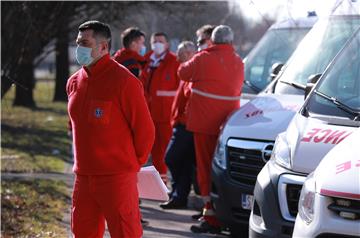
83	55
158	48
202	47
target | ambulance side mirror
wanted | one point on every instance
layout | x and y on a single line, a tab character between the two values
275	70
311	82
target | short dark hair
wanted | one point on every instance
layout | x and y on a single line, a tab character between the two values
100	29
131	34
160	34
206	30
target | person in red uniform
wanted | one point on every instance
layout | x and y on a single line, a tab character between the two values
131	55
160	83
112	133
180	157
217	75
203	36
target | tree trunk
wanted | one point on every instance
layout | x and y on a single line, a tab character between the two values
62	66
5	85
25	85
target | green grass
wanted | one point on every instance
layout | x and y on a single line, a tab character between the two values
33	208
34	140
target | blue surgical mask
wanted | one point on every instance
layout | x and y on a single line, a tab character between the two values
83	55
142	50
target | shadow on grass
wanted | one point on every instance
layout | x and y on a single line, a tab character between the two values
57	111
36	141
32	207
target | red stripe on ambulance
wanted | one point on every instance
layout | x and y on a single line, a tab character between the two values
318	135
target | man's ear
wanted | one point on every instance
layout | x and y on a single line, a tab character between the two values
105	46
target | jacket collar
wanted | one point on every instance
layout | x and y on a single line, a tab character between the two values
98	67
132	54
154	61
216	47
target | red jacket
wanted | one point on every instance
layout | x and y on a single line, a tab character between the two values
160	86
112	129
180	105
130	60
217	74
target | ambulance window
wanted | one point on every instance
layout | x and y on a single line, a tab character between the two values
275	46
316	51
342	81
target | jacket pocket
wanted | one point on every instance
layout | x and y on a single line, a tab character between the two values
99	112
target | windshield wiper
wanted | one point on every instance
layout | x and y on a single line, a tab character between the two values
295	85
252	86
340	105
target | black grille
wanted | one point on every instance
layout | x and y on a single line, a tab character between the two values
292	196
240	213
244	165
340	205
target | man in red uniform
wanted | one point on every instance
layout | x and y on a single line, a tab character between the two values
180	157
112	133
217	75
203	36
160	83
131	56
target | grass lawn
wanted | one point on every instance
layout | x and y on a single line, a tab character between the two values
34	140
33	208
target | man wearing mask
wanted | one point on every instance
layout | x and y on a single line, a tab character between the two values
217	75
180	157
160	83
203	37
131	55
112	133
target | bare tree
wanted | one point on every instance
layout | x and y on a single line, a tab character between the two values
30	26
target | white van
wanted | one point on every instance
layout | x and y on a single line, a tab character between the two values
329	204
276	46
247	138
330	114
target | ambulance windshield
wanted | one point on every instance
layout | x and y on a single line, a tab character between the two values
316	51
338	92
275	46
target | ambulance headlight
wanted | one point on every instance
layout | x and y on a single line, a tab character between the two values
219	155
281	151
307	200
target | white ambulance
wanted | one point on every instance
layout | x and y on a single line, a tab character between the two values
276	46
248	136
329	204
329	115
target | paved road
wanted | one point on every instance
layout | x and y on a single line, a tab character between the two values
170	223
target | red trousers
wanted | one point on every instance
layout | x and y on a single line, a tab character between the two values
204	149
113	198
163	133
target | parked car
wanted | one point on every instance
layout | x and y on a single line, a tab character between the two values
330	114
